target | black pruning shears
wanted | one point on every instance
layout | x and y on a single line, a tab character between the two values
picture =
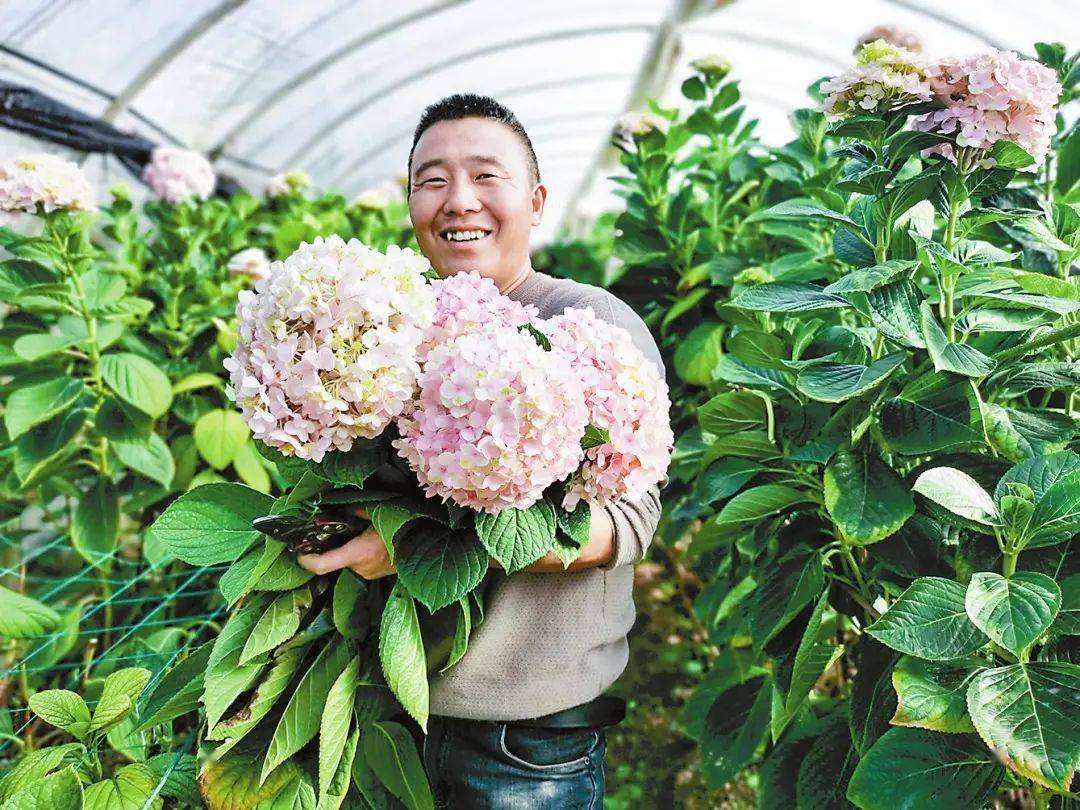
314	535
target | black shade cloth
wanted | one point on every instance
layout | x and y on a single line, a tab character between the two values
29	111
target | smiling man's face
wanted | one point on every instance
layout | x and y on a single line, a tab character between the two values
472	202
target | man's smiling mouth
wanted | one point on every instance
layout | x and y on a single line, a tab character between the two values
465	235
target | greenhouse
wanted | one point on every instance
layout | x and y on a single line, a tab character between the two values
516	405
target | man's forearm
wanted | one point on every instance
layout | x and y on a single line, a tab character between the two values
597	550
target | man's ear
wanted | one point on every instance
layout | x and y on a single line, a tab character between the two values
539	198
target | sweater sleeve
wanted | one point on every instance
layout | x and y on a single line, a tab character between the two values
634	521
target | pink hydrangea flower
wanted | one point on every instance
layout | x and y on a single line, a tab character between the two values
252	262
47	181
468	301
625	395
327	345
175	175
497	421
884	77
990	97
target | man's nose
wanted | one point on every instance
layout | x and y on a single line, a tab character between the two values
462	197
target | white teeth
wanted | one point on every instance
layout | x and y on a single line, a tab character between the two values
464	236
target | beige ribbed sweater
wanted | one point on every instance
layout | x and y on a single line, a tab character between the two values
550	641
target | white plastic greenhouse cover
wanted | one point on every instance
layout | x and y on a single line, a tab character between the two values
336	86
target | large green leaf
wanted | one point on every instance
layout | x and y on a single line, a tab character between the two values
931	414
697	353
270	689
440	565
299	722
233	783
96	525
865	498
1027	713
23	617
929	621
219	435
147	455
211	524
734	727
811	659
34	404
894	310
225	679
46	444
932	695
62	708
959	493
784	591
913	769
130	788
795	209
959	358
334	725
353	466
278	623
1067	622
731	412
516	537
118	695
1019	435
401	652
1013	612
177	692
757	503
870	278
390	752
57	791
825	771
32	766
1057	512
788	297
138	382
836	382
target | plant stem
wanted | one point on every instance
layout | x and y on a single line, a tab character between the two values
1008	567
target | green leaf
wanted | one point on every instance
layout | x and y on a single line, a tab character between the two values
788	297
148	456
931	695
732	412
192	382
811	660
334	726
44	445
137	381
959	358
401	651
932	414
387	518
35	346
870	278
1008	155
34	404
734	726
23	617
299	724
1020	435
1027	713
697	353
225	678
249	467
517	537
929	621
32	766
130	788
865	498
96	525
270	688
278	623
959	493
894	311
390	752
349	606
785	589
836	382
232	783
57	791
826	769
576	524
440	565
122	688
353	466
63	709
757	503
793	209
219	436
1013	612
1067	622
1057	512
211	524
913	769
177	692
179	772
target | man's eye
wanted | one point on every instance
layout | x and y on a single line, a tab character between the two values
487	175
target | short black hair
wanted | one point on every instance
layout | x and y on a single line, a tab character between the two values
471	105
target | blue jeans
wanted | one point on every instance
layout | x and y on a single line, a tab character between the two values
490	765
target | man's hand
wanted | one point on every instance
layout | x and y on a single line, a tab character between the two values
365	555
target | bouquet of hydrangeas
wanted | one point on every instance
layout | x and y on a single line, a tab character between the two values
463	427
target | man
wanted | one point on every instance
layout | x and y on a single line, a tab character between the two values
519	720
